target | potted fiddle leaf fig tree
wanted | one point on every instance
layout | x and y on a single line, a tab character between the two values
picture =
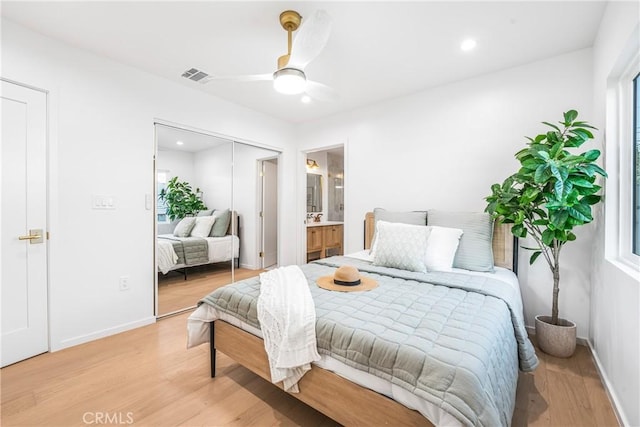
180	199
549	197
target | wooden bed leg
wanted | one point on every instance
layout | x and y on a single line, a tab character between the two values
212	347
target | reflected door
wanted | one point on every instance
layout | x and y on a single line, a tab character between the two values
269	213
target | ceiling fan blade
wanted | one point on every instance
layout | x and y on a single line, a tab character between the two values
310	39
245	78
321	92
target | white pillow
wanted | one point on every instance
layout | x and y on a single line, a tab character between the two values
441	248
184	227
401	246
203	226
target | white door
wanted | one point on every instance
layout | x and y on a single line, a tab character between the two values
23	217
269	213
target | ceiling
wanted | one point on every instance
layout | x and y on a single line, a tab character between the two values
192	142
376	51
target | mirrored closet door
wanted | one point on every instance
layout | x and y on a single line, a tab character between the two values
197	245
212	227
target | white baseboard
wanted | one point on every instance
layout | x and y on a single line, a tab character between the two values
249	266
615	402
70	342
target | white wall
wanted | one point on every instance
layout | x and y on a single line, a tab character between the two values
615	298
178	163
444	147
213	172
100	109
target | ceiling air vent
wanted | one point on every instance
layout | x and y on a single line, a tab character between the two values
195	75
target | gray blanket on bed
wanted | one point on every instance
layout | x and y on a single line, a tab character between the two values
190	250
455	340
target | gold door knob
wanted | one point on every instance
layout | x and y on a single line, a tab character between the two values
34	237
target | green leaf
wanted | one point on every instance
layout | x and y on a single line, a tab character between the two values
541	174
519	230
591	155
591	199
576	214
581	182
531	164
547	237
584	125
552	125
570	116
559	218
534	257
543	154
583	133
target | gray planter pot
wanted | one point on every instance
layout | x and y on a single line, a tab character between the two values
557	340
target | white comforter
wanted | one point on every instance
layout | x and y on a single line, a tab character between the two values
287	318
166	255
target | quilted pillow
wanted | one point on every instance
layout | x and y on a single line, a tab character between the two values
441	248
220	226
203	225
475	252
184	227
401	246
379	214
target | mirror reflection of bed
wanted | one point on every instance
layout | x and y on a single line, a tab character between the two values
191	264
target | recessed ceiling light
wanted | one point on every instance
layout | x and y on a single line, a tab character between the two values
468	45
305	99
179	142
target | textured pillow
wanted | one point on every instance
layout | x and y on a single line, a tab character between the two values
207	212
203	225
223	218
441	248
401	246
184	227
379	214
475	251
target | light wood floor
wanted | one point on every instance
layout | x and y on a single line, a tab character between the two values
148	375
175	293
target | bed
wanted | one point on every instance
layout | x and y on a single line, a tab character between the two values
469	352
180	253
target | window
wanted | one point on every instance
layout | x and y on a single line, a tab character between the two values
622	161
636	165
161	209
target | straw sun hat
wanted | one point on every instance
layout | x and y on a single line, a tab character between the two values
347	279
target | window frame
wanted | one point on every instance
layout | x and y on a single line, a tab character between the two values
168	177
620	183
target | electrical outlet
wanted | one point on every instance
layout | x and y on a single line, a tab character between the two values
124	283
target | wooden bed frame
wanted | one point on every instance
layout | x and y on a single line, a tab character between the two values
336	397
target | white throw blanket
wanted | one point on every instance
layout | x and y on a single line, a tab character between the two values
288	321
167	256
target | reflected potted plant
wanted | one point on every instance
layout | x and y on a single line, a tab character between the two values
181	200
546	199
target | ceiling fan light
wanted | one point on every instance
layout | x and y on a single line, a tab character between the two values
289	81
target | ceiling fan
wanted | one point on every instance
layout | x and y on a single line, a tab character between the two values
290	78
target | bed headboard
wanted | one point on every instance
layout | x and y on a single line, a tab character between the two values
505	249
234	224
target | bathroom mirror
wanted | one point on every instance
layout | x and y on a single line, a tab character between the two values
314	192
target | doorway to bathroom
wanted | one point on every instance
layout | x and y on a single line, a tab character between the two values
325	203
